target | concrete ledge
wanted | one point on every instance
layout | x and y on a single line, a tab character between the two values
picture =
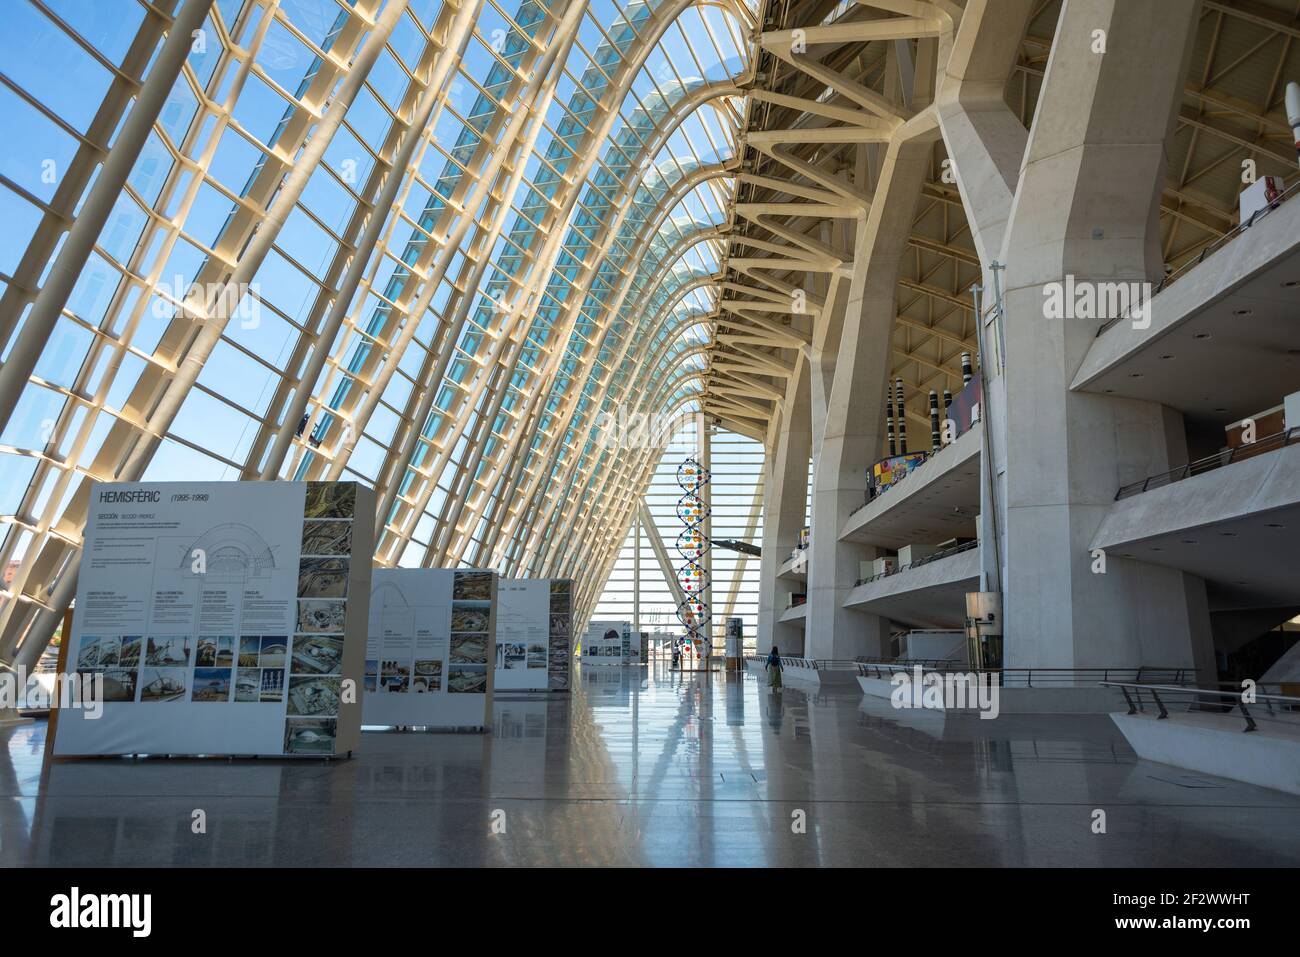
840	678
807	676
926	499
837	679
796	567
1233	526
795	613
875	687
932	595
957	569
1084	700
1264	246
1217	744
1243	489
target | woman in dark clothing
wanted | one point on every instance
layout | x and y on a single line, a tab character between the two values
774	668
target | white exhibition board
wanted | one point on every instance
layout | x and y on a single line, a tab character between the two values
431	641
607	643
225	617
534	618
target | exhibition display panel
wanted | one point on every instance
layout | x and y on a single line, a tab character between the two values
430	648
607	643
225	618
534	621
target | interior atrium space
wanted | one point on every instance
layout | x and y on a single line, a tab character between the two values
652	433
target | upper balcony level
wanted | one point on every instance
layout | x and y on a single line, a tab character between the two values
937	501
1235	311
927	594
1236	525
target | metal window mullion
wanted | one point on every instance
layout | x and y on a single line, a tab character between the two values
530	492
52	298
548	77
645	391
638	406
286	198
318	350
172	393
496	157
130	139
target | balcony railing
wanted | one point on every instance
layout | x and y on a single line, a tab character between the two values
936	556
1210	250
1211	462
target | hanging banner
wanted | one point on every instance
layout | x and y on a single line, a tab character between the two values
607	643
431	641
532	652
225	618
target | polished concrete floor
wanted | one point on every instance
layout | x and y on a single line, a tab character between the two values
647	767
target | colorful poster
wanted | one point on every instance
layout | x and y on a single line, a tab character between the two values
235	606
430	648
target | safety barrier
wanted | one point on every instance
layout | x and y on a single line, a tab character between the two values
1268	443
1265	706
1036	677
1210	250
934	557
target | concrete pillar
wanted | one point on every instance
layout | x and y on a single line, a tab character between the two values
636	573
851	363
1086	206
785	503
986	143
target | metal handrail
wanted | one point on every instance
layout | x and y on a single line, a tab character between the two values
909	662
813	664
1133	696
787	661
1208	250
936	556
1268	443
1035	677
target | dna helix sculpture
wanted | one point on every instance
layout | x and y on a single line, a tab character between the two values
692	545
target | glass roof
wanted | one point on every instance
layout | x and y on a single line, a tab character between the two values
449	316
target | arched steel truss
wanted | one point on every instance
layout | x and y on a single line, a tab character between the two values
486	273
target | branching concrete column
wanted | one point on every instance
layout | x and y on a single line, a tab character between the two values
986	144
1086	207
785	503
849	416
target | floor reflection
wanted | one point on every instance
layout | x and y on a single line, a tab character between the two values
647	766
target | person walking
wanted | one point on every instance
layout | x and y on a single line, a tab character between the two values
676	652
774	668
